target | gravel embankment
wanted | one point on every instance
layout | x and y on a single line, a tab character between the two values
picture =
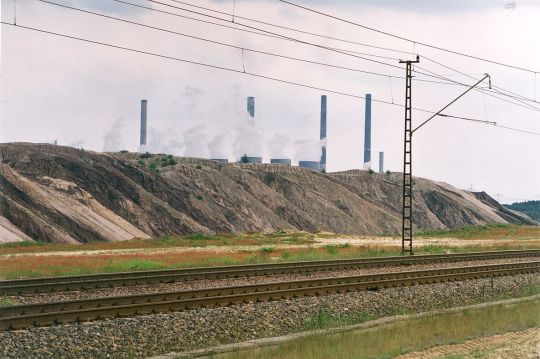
161	333
212	283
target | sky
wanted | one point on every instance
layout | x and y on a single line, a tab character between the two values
88	96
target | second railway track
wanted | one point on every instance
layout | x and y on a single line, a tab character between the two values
23	316
104	280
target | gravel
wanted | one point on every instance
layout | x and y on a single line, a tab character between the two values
161	333
212	283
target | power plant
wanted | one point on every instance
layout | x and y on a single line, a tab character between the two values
322	164
319	165
367	133
144	104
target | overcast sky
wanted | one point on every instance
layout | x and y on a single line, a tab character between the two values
86	95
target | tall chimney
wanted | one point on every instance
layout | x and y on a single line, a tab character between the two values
322	163
367	133
251	106
381	162
143	122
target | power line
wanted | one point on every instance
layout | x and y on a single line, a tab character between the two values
341	51
407	39
235	46
328	48
217	67
489	92
294	29
512	94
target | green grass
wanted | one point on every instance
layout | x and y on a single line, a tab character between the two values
401	337
498	230
23	244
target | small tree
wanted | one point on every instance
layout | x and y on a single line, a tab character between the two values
370	171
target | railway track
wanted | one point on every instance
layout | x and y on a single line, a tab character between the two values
24	316
92	281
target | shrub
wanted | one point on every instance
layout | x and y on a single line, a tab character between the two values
168	161
145	155
124	151
154	167
199	167
370	171
141	163
269	178
388	172
199	197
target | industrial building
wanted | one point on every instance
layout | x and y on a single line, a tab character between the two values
281	161
312	165
250	159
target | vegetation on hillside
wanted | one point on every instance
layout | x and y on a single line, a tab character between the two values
530	208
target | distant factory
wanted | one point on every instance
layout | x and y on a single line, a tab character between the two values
316	165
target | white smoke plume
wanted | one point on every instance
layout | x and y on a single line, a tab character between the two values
307	149
280	146
165	141
220	146
196	142
249	139
113	138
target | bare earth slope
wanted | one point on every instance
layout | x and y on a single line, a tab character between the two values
61	194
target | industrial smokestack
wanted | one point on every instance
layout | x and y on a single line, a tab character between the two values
367	134
251	106
143	122
322	163
381	162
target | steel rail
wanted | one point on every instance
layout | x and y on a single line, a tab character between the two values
104	280
23	316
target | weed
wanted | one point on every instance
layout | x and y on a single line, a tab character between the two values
199	167
7	301
285	255
267	250
199	197
331	249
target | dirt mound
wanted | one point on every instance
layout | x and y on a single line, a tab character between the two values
61	194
